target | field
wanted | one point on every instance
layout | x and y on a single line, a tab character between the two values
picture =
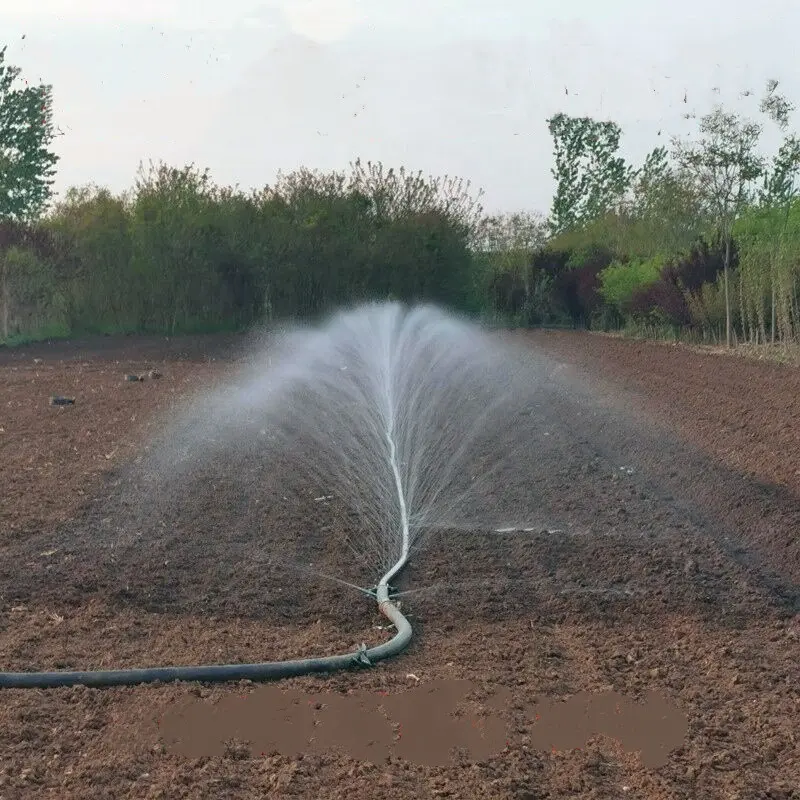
663	493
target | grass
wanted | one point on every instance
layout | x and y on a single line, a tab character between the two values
43	334
781	353
56	331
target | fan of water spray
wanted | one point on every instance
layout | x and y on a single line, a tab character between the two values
397	413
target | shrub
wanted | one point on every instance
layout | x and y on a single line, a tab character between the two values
667	299
620	281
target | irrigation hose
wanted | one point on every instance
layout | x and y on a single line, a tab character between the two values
218	673
223	672
269	670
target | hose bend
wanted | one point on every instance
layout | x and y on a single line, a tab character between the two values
270	670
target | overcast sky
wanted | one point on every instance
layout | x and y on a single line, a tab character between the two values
458	87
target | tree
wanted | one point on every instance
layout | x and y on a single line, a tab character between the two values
781	189
399	193
506	244
723	166
663	207
27	166
590	177
25	255
93	231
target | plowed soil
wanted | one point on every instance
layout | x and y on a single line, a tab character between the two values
661	490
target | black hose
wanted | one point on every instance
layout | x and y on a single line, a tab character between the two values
221	672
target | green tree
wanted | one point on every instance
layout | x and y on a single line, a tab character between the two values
27	165
723	166
591	178
505	249
92	227
780	193
25	274
662	214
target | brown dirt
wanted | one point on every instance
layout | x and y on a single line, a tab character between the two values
672	476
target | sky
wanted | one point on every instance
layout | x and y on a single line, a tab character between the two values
248	88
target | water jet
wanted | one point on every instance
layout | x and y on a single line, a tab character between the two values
380	406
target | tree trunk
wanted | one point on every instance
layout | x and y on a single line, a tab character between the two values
526	277
761	323
744	312
6	297
773	309
727	294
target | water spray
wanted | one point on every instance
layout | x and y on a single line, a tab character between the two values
408	410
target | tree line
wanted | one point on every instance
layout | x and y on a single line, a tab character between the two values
181	254
702	239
